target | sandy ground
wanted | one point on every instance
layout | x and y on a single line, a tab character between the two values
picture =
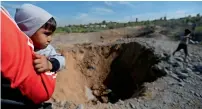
87	66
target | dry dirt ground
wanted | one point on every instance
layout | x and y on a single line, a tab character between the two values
115	70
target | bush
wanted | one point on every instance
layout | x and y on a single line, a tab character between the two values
198	29
111	27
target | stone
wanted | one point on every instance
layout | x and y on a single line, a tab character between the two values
188	70
167	68
182	75
174	76
188	81
171	83
189	65
121	102
91	67
94	102
198	73
132	105
106	92
95	87
179	59
96	92
180	64
190	55
139	100
89	93
145	105
104	99
201	95
192	91
80	106
196	94
166	71
62	103
181	84
170	61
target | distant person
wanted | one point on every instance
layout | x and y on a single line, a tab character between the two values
39	25
193	26
193	29
183	43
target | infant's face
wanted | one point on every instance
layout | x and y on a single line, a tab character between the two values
42	38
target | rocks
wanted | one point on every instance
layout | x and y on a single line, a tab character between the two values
121	102
64	104
188	81
180	64
182	75
177	64
170	83
89	93
104	99
167	67
198	73
145	104
165	71
174	76
96	92
170	61
190	66
80	106
196	94
156	88
94	102
95	87
132	105
181	84
91	67
188	70
101	37
179	59
106	92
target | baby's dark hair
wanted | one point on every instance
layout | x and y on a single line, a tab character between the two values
186	32
50	25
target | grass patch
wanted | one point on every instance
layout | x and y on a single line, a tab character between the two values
198	29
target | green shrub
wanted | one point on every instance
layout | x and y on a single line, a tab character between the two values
198	29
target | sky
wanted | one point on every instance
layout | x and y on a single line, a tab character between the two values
84	12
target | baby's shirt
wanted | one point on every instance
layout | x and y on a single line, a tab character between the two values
57	60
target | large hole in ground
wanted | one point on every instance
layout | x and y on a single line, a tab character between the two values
106	73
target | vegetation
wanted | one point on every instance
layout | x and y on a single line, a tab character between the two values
174	26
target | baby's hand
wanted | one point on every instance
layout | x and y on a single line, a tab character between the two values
41	63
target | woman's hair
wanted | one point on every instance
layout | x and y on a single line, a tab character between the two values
186	32
50	25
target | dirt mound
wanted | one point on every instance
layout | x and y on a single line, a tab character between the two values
87	68
106	72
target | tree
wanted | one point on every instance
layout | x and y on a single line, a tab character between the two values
198	15
164	18
136	20
68	30
103	22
